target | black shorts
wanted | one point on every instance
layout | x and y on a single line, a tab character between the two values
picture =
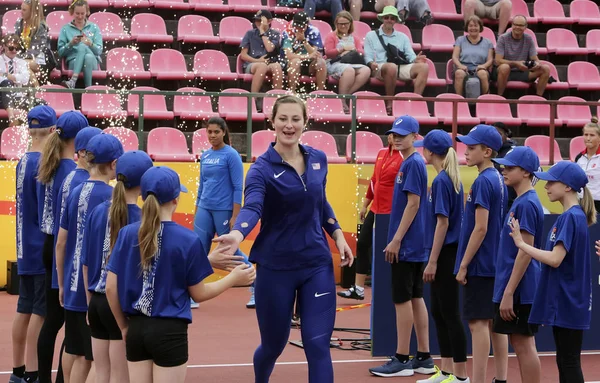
515	75
407	281
78	339
102	321
477	298
48	251
519	325
164	341
32	295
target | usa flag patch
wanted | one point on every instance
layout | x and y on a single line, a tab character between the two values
316	166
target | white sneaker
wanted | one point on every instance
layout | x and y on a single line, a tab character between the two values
438	377
452	379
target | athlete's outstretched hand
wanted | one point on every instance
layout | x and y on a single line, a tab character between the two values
233	240
243	275
598	248
221	258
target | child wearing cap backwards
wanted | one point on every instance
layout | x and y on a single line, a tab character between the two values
55	164
406	252
564	294
516	273
102	152
30	244
446	202
478	247
154	268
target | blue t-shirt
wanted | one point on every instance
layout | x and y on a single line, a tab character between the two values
445	201
30	240
82	200
564	294
162	290
96	248
221	179
489	192
71	181
48	195
411	178
528	210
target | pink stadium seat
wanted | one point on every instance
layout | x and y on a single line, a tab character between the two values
541	145
443	110
326	109
232	29
492	112
55	3
149	28
196	29
61	102
155	106
444	10
550	12
101	105
129	3
200	142
211	64
97	74
279	24
460	150
322	26
272	5
102	4
325	142
535	114
170	4
110	25
126	63
361	29
438	38
563	85
168	145
368	144
540	51
574	116
488	34
417	109
169	64
592	40
563	42
209	6
519	7
55	21
584	12
246	6
193	107
8	21
15	140
269	101
128	138
371	111
404	29
239	69
260	142
236	108
583	76
576	146
432	77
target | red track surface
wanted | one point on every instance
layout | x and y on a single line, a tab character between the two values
224	335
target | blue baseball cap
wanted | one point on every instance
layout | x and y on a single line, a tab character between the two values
84	136
163	182
44	115
482	134
105	148
70	123
404	125
132	165
567	172
437	141
521	156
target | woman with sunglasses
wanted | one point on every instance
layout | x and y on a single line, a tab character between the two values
14	72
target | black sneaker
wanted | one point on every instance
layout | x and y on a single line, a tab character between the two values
426	19
352	293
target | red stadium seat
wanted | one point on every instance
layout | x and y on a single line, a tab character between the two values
239	69
149	28
326	109
129	3
170	4
325	142
444	10
576	146
15	141
404	29
520	7
168	145
126	64
232	29
584	12
438	38
55	21
209	6
236	108
155	106
279	24
8	21
443	110
574	116
102	4
493	112
535	114
200	142
245	6
371	111
128	138
169	64
563	42
55	3
541	145
592	40
101	105
432	77
562	85
360	30
368	144
260	142
417	109
269	101
550	12
193	107
61	102
196	29
583	76
110	26
322	26
211	64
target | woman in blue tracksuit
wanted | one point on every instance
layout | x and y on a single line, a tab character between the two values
285	189
220	189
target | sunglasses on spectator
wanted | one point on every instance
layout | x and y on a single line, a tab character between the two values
343	24
11	48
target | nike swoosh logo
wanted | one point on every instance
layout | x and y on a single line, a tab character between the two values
317	295
278	175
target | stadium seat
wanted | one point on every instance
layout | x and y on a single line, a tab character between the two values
325	142
584	12
326	109
169	64
55	21
541	145
550	12
368	145
128	138
179	5
200	142
562	41
592	40
574	116
449	72
443	110
444	10
269	101
520	7
54	3
404	29
211	64
8	21
322	26
535	114
438	38
236	108
168	145
488	34
196	29
193	107
209	6
540	51
260	142
460	150
417	109
495	112
360	30
126	63
239	69
110	26
97	74
245	6
232	29
371	111
149	28
101	105
102	4
280	10
129	3
559	85
155	106
279	24
576	146
15	141
61	102
583	75
432	77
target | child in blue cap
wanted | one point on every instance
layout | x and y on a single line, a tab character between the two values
517	274
30	244
477	249
445	209
155	267
564	293
102	151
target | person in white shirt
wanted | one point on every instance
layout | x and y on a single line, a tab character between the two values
589	158
14	72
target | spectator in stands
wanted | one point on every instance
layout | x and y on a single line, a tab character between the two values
474	54
355	6
303	49
332	6
416	8
405	66
33	31
517	59
14	72
260	53
489	9
345	56
80	44
507	145
589	158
